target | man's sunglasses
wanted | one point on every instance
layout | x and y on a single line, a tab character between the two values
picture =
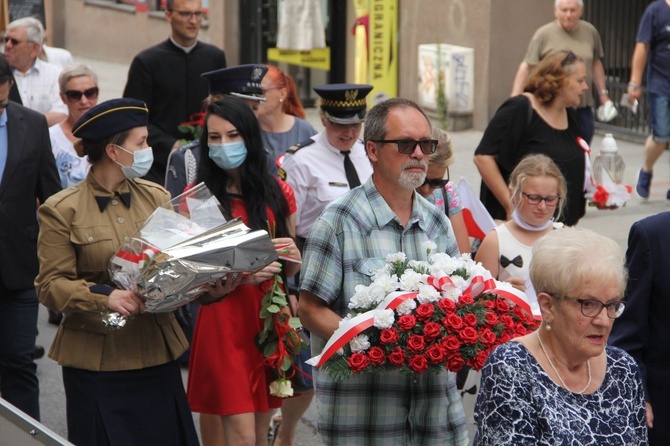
75	95
407	146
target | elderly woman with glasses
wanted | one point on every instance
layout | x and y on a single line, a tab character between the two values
562	384
441	192
79	90
541	120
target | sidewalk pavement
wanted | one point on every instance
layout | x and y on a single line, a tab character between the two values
614	224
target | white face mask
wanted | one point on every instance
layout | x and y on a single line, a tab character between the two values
142	161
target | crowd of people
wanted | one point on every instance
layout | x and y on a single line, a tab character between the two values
78	178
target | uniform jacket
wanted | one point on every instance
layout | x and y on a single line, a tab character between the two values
30	176
76	242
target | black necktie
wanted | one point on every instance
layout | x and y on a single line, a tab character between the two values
350	171
516	261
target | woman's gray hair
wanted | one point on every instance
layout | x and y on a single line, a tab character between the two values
33	26
444	154
569	259
75	70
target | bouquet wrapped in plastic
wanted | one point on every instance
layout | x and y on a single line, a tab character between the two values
430	316
185	244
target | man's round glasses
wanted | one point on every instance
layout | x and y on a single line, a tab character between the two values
75	95
407	146
534	199
186	15
593	307
437	183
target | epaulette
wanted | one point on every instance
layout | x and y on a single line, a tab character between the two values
63	194
149	183
293	149
190	145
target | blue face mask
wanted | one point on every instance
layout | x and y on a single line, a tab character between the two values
142	161
228	156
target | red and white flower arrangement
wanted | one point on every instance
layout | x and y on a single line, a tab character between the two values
417	317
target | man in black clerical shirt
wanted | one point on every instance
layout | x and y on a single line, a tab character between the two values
167	77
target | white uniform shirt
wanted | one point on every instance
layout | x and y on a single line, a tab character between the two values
316	174
38	88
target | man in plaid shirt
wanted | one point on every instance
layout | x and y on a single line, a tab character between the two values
347	243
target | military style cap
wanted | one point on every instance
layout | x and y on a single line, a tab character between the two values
111	117
344	103
243	81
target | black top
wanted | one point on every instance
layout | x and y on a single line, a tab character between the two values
168	80
517	130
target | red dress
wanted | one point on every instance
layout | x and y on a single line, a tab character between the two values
226	375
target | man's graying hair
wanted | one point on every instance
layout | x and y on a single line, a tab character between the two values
33	26
375	119
556	2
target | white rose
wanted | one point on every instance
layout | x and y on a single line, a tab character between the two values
384	319
281	388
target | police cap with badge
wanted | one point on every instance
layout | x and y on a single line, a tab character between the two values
343	103
242	81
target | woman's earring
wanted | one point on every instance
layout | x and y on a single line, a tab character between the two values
547	327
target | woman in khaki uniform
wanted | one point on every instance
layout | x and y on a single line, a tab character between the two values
122	386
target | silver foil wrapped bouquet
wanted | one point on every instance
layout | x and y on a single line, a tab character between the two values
185	244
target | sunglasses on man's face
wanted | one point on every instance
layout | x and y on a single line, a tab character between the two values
75	95
14	41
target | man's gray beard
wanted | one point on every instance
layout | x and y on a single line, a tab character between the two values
410	180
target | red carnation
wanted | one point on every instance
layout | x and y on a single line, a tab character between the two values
424	312
418	363
468	335
416	343
447	305
455	362
358	362
432	331
502	305
470	320
465	299
454	322
406	322
388	336
435	354
491	318
488	337
397	357
377	356
451	344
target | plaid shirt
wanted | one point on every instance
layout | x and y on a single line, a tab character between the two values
347	243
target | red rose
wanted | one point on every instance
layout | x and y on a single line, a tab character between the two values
468	335
465	299
488	304
416	343
377	356
431	331
478	361
502	305
388	336
488	337
397	357
508	321
435	354
418	363
455	362
454	322
424	312
519	313
491	318
406	322
520	330
447	305
358	362
451	344
505	337
470	320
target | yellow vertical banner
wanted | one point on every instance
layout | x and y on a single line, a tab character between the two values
383	49
361	44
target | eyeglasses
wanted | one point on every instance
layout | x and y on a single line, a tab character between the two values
75	95
407	146
187	15
437	183
14	41
534	199
593	307
569	57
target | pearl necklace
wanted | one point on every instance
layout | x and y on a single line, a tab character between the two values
551	363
